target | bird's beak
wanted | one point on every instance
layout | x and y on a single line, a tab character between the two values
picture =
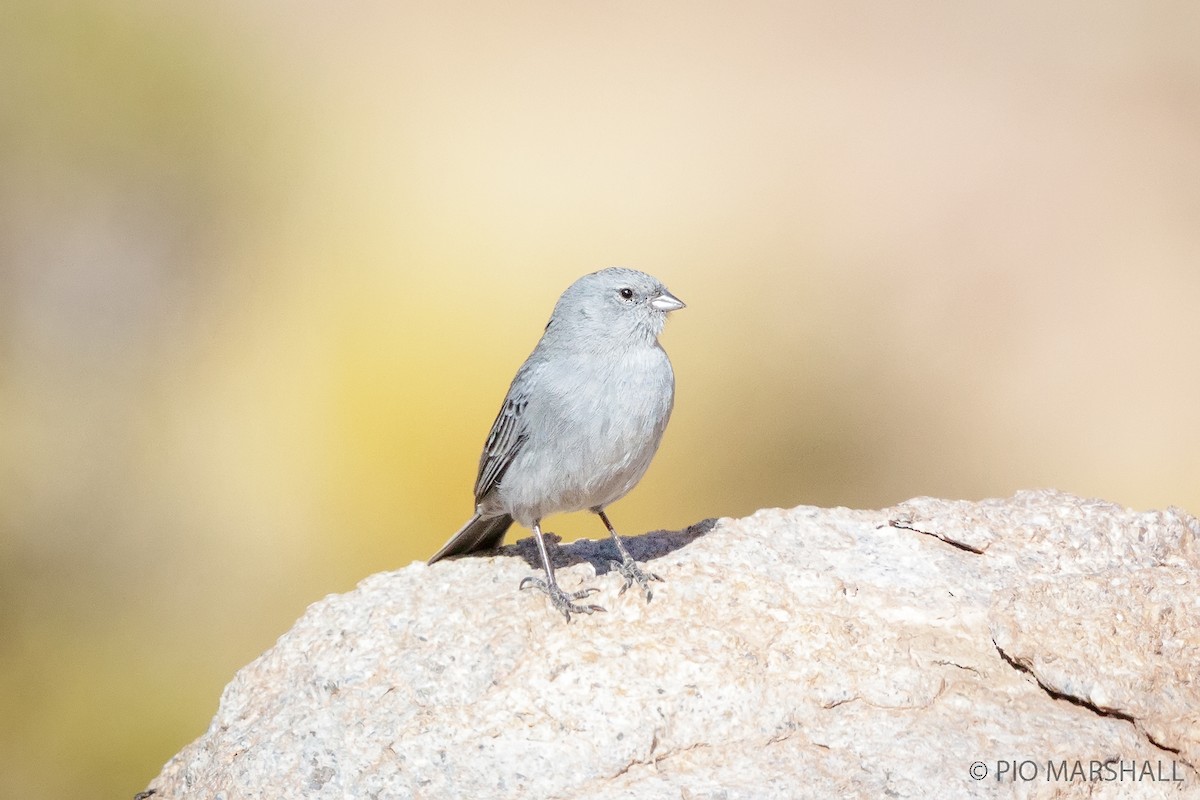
665	301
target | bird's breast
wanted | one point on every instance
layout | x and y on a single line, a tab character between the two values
599	423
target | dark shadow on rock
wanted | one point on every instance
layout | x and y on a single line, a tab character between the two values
598	552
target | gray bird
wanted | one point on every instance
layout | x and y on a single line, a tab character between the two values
581	422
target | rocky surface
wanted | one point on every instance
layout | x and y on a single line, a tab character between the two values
1041	646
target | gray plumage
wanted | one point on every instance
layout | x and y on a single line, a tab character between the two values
581	421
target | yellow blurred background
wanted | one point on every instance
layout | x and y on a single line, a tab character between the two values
266	270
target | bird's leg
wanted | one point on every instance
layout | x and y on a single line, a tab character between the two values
558	598
628	567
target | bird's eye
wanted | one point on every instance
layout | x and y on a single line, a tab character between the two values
626	293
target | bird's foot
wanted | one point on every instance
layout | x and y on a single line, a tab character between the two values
562	600
634	573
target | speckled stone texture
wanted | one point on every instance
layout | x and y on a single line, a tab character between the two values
823	653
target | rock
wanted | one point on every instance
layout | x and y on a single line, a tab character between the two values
1045	643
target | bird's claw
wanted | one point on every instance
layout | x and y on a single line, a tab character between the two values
633	573
562	600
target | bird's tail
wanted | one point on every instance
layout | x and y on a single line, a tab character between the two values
480	533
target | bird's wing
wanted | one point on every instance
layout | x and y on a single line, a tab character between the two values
505	440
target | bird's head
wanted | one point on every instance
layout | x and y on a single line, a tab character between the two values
614	305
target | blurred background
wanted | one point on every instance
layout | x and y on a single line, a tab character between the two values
266	270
